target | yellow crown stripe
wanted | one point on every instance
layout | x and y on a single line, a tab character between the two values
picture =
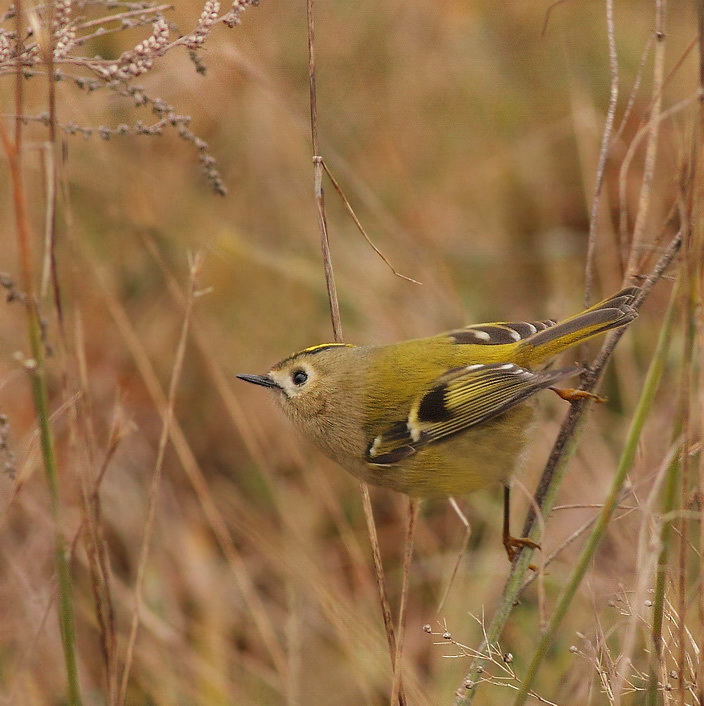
320	346
312	350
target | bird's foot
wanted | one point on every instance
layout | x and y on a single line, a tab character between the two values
513	544
567	393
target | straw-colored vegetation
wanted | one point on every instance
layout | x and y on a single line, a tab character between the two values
211	557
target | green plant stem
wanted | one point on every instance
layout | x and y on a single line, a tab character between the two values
650	387
66	618
668	504
36	370
669	495
516	580
549	483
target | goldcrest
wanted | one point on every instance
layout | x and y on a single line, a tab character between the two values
439	416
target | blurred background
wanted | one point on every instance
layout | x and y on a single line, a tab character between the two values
466	136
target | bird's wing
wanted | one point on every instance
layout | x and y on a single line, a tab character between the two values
496	334
614	311
459	399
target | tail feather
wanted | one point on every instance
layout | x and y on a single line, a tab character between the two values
614	312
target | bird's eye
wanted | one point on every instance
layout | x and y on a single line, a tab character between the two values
299	377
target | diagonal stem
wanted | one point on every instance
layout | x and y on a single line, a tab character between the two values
650	387
551	478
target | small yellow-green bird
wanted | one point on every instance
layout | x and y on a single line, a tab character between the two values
439	416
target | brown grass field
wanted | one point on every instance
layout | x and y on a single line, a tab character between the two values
213	557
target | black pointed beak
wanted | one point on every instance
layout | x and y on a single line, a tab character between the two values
263	380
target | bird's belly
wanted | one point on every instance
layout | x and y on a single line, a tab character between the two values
476	458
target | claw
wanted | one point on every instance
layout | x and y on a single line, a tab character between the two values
513	544
571	395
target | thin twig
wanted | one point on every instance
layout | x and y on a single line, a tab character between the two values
318	181
639	77
214	517
325	248
123	16
195	269
461	552
359	225
634	90
604	151
640	416
52	179
695	320
318	164
553	473
379	571
548	13
589	380
652	143
99	564
647	559
19	83
690	482
36	370
397	688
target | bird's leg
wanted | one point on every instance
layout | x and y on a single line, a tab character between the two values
567	393
513	545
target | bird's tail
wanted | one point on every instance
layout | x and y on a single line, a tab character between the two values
614	312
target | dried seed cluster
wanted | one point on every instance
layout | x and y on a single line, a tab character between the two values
57	32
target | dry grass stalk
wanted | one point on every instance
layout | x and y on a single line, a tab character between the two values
258	578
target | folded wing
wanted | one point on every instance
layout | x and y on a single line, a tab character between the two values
458	400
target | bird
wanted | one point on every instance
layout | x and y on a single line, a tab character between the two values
442	416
